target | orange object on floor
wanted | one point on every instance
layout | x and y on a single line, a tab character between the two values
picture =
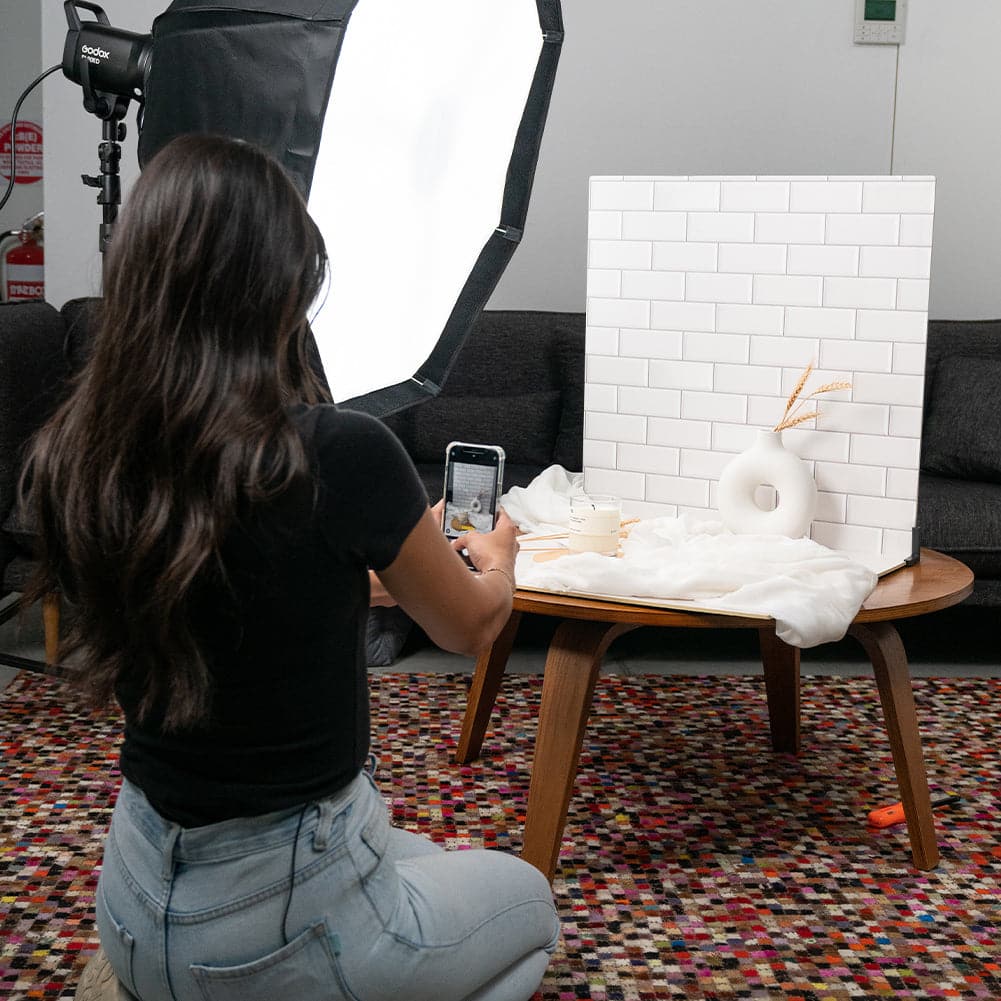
887	816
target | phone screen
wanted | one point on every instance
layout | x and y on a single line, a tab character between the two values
472	488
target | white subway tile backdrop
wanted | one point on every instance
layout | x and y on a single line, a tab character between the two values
708	296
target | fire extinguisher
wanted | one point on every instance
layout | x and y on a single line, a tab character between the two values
22	262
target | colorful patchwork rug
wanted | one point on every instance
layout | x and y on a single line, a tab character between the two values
696	863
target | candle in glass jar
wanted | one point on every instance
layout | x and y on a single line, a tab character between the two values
594	524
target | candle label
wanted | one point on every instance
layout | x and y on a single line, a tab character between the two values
594	530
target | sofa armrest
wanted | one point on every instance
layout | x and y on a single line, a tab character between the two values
33	373
950	338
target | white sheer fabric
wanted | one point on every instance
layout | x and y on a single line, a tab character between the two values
812	592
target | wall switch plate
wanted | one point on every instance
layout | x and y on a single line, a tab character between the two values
880	22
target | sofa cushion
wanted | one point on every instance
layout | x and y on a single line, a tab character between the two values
530	351
962	424
947	338
569	449
518	382
525	425
79	317
32	379
17	529
18	574
963	519
432	475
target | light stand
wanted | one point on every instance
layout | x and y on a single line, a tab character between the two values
111	66
109	153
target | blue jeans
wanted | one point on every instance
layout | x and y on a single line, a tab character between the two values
327	902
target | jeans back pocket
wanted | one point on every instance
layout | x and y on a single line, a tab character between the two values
305	969
118	944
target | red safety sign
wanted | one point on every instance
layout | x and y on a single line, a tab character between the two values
28	153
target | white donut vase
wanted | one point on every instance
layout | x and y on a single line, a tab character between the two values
767	463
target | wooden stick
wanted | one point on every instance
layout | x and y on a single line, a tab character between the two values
565	535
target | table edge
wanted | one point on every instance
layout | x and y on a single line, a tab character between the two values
553	604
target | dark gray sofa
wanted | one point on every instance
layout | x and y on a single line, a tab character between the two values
33	371
518	382
959	492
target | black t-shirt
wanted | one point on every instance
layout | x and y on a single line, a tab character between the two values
286	641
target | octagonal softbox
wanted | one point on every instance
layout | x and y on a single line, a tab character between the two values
412	129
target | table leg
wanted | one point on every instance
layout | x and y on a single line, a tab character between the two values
571	672
781	665
883	645
51	605
483	691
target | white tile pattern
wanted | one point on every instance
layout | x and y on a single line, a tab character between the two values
706	299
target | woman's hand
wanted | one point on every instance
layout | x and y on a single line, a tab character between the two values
493	550
460	611
438	511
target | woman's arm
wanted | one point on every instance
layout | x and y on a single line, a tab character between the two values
378	596
459	610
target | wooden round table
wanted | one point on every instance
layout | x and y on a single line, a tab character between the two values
590	625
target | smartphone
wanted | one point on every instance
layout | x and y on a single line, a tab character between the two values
474	476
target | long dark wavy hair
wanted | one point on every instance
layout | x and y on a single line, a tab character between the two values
177	424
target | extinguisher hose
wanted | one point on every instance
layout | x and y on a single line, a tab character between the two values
13	129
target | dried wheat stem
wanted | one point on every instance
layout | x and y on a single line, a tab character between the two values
793	421
798	389
829	388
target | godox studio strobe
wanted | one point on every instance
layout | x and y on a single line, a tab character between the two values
112	66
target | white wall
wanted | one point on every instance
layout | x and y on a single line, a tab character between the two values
21	62
772	86
683	87
689	87
948	124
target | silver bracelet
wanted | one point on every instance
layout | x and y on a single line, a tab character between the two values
510	579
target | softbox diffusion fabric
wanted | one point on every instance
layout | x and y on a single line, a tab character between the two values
413	131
